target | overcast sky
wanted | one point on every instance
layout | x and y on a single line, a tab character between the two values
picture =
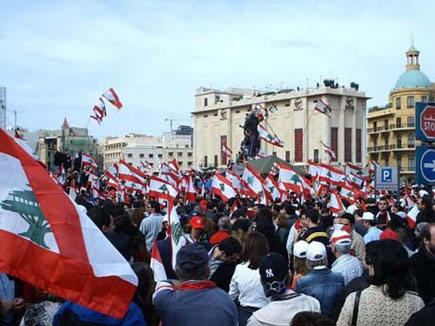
57	57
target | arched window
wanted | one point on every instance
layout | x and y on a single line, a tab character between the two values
410	121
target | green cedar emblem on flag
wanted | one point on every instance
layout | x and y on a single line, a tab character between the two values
250	180
25	204
163	188
295	178
222	186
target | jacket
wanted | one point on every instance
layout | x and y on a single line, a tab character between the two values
323	285
424	317
423	268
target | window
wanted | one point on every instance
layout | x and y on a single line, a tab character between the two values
347	144
299	143
216	160
386	124
159	155
375	126
410	102
424	98
411	163
190	163
398	122
170	154
179	154
205	161
224	156
180	163
399	160
411	121
150	155
430	99
189	154
287	156
398	103
205	101
316	156
334	142
186	146
141	155
358	145
399	141
411	140
129	155
274	153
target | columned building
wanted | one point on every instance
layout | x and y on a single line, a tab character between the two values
391	129
219	115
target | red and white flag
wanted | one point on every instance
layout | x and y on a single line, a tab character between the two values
271	185
191	193
412	216
226	149
323	108
87	160
112	97
315	169
252	182
235	179
293	181
162	189
222	187
49	242
331	174
335	204
328	150
268	137
352	168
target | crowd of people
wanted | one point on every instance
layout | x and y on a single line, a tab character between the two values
292	262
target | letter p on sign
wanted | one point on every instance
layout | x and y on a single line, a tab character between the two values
387	175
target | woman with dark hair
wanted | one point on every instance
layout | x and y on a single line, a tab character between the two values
387	300
245	284
264	224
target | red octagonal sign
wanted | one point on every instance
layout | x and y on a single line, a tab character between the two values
427	121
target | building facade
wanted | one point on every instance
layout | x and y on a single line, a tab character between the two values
134	148
391	129
220	115
72	139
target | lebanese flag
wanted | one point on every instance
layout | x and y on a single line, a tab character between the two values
331	174
271	185
293	181
335	204
328	150
315	169
222	187
235	179
252	182
268	137
349	194
127	172
352	168
162	189
156	264
191	193
87	160
97	193
100	109
47	241
174	166
226	149
323	108
412	216
112	97
17	134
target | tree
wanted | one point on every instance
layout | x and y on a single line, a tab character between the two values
25	204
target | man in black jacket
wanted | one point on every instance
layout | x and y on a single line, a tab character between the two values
426	213
423	264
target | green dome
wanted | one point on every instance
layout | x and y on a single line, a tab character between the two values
413	79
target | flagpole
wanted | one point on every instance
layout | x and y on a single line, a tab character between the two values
87	124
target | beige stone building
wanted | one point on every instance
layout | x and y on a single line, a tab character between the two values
219	115
391	129
135	148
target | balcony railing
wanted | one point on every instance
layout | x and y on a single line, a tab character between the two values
402	126
388	147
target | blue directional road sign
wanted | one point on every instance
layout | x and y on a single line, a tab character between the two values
425	165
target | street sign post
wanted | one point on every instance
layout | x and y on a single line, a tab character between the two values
387	178
425	121
425	165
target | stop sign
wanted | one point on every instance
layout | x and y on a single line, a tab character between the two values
427	122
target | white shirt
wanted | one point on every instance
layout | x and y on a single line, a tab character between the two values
246	286
348	266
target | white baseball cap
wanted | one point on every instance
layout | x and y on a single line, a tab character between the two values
300	249
341	237
316	251
367	216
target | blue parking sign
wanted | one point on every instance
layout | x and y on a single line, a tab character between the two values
387	178
387	174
